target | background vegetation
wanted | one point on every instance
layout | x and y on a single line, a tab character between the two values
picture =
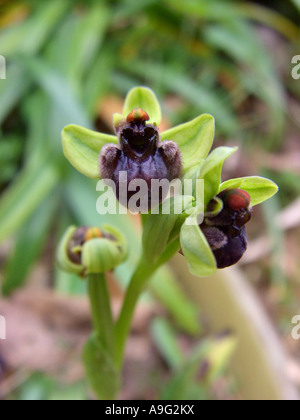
73	62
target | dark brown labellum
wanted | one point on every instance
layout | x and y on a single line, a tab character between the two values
77	240
80	236
142	156
225	232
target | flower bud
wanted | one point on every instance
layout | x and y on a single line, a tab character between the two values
141	155
225	231
89	250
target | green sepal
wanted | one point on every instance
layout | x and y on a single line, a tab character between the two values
260	189
194	138
82	147
142	97
118	121
62	256
211	171
196	249
217	207
100	255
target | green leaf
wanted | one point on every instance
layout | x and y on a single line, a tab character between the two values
194	139
196	250
82	148
260	189
168	290
100	370
211	171
142	97
165	339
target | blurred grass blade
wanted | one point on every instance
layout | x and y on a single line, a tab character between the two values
87	40
35	110
76	44
58	89
165	339
208	360
203	9
205	100
167	289
29	36
95	87
21	199
276	238
12	90
296	3
29	245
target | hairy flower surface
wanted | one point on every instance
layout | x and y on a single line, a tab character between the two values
225	232
141	154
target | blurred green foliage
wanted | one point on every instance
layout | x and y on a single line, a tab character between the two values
65	56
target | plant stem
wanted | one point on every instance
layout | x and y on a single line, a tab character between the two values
101	310
141	276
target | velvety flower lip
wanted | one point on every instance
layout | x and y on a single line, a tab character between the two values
194	139
225	232
141	155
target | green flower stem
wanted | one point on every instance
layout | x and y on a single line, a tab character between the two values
139	280
101	310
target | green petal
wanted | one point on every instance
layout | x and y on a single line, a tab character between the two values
194	139
82	148
62	256
196	250
100	255
141	97
211	171
260	189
